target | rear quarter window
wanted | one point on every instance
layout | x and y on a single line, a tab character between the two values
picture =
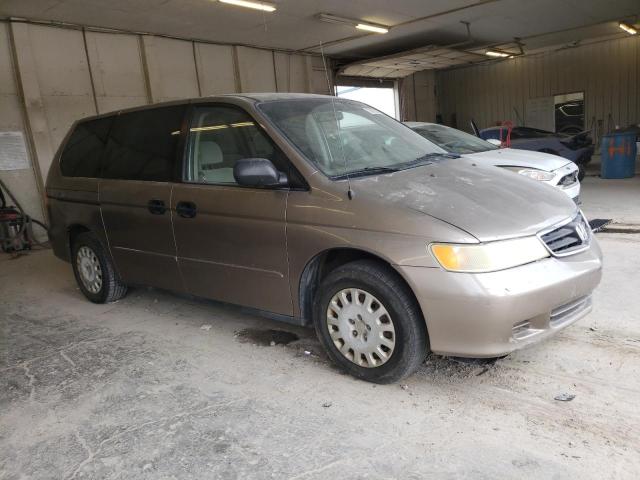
82	154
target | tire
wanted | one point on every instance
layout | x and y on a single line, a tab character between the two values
94	270
403	323
581	171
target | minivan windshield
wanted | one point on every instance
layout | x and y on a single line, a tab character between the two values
343	137
452	140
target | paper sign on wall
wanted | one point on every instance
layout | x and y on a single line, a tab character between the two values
13	151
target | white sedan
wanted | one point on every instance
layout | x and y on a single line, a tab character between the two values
544	167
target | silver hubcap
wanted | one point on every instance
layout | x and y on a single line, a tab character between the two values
89	269
361	328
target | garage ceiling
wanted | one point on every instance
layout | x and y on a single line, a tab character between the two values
407	63
414	23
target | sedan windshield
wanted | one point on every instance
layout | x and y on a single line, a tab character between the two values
452	140
343	137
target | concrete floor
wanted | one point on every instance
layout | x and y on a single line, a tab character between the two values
615	199
160	386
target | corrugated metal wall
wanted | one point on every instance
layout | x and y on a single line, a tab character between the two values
51	76
607	72
418	97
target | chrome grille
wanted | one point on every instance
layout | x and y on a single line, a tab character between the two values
568	180
570	237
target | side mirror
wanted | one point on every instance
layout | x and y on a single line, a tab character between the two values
258	172
494	141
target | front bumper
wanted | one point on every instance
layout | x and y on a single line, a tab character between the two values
493	314
573	190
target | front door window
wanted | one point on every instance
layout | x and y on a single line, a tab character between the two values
218	138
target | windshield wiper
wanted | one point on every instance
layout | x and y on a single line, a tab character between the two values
431	156
367	171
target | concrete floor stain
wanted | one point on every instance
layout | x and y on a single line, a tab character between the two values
265	337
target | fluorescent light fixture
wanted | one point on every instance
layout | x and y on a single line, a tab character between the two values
496	53
208	128
264	6
628	28
369	27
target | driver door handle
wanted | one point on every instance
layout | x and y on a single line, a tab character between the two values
186	209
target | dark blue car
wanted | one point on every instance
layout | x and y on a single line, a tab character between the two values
578	148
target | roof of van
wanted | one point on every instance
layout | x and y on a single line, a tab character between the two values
257	97
418	124
268	96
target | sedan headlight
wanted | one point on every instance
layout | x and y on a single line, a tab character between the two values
533	173
488	257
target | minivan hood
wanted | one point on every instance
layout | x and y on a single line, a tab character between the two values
486	202
520	158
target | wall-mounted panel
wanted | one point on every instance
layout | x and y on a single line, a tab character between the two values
292	73
425	96
321	76
216	69
117	70
171	67
256	68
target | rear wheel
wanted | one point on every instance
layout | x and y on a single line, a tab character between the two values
370	323
94	271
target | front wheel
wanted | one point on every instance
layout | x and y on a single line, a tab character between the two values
94	272
369	322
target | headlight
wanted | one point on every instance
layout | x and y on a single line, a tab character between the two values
533	173
488	257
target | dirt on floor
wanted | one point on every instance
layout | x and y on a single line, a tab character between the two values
162	386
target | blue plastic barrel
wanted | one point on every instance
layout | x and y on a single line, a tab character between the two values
618	155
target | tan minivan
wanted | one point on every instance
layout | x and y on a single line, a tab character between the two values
324	212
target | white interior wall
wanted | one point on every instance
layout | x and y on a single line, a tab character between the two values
292	73
216	69
22	182
61	70
417	95
171	68
257	70
321	81
63	74
117	70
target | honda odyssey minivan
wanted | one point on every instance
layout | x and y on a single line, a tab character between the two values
323	212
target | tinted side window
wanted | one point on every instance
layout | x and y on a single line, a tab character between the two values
219	137
142	145
83	151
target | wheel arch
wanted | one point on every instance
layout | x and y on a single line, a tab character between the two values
76	229
328	260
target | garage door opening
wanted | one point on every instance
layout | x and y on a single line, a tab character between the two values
382	98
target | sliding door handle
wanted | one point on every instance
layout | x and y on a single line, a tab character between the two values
186	209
